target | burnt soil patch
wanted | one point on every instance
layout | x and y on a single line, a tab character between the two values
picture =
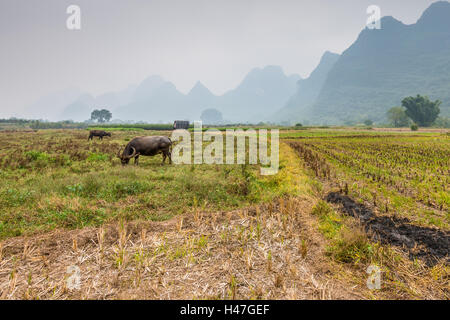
428	244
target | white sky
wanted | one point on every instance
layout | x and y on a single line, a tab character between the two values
215	41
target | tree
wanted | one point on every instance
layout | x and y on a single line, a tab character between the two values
368	122
442	122
211	116
398	117
422	110
101	115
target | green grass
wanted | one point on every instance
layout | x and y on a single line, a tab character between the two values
347	242
113	129
135	127
345	132
58	179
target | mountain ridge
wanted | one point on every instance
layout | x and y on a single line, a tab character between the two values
157	100
383	66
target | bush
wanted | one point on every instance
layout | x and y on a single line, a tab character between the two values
414	127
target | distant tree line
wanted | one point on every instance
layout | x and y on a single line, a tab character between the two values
15	120
67	124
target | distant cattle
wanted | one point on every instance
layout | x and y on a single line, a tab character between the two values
146	146
98	133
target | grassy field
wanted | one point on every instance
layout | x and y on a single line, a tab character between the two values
344	199
52	179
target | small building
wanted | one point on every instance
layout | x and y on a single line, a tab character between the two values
180	124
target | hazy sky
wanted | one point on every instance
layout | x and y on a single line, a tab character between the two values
121	42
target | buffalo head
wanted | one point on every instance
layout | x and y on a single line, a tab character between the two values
124	158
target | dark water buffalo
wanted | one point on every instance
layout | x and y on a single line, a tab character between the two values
146	146
98	133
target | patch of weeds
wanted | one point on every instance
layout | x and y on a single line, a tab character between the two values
201	242
352	246
33	155
178	253
36	159
330	223
76	189
348	243
15	198
72	219
321	209
126	188
61	160
91	186
95	157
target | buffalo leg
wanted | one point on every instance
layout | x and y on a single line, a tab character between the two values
164	158
136	160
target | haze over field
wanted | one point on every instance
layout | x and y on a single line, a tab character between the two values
243	58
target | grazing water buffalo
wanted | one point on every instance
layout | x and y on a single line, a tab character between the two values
98	133
146	146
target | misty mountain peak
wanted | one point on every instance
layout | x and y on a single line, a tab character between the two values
264	78
389	22
326	62
268	70
147	87
152	81
273	69
329	56
436	16
199	89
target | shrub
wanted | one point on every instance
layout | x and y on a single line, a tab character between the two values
414	127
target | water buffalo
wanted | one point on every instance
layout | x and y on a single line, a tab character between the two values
146	146
98	133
